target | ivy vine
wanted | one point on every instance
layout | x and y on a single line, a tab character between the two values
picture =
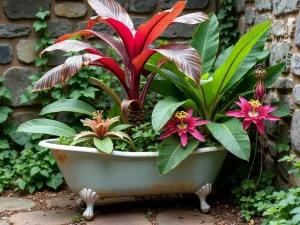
228	27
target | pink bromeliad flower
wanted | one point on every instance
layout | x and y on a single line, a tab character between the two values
253	112
183	123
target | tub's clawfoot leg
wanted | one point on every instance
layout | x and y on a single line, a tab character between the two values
89	197
80	202
202	194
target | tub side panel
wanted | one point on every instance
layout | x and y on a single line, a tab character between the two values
113	176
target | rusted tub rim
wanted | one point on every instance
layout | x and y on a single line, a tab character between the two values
50	143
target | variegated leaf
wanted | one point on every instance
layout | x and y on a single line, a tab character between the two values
115	43
191	18
151	30
111	9
84	134
72	46
73	64
62	73
185	57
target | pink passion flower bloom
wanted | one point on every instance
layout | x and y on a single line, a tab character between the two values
183	123
253	112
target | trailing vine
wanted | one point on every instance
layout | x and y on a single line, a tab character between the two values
228	28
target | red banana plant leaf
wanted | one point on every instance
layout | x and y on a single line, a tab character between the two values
132	46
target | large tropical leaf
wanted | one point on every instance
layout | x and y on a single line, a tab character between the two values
107	9
72	65
250	60
105	145
163	111
115	43
239	52
72	46
166	88
206	42
191	18
62	73
151	30
46	126
282	109
171	153
274	72
232	136
69	105
222	57
185	57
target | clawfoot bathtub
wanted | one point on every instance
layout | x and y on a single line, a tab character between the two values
96	175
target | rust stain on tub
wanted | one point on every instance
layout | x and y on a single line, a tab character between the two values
60	156
154	189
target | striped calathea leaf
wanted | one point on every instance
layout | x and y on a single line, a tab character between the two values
132	45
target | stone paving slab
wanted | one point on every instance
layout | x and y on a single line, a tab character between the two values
183	217
66	200
57	217
3	222
13	204
126	218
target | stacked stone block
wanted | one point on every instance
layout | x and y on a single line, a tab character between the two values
284	43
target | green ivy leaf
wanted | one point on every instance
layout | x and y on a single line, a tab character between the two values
44	173
31	188
34	171
39	25
4	112
54	181
42	14
21	183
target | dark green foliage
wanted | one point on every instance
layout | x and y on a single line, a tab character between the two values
228	28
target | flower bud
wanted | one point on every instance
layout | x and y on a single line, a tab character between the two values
259	90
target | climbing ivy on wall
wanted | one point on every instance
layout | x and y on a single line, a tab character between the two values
228	27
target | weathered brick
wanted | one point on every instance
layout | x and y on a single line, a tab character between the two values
24	9
263	5
137	6
295	131
297	34
282	7
295	64
296	94
284	83
14	30
16	81
26	51
278	28
5	53
70	9
250	15
291	26
240	5
242	25
281	52
179	31
262	18
191	4
58	28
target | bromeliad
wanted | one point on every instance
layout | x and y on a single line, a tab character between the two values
183	123
102	133
253	112
134	47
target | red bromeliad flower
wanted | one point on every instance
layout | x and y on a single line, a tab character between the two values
183	123
253	112
134	47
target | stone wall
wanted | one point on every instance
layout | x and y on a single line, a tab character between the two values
284	43
18	38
